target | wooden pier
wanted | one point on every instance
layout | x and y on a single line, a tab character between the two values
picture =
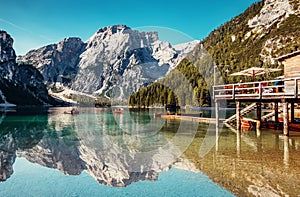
191	118
287	93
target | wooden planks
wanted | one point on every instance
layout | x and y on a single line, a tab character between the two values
191	118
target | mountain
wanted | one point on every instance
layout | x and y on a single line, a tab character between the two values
20	84
265	31
118	61
114	56
56	62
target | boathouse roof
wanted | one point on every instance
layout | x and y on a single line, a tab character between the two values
286	56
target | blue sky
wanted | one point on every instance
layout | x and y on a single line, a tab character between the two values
35	23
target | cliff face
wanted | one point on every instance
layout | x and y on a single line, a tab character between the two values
278	22
272	12
56	62
20	84
7	56
7	59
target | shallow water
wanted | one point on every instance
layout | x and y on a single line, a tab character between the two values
45	152
249	164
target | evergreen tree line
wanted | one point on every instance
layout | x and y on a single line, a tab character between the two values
183	86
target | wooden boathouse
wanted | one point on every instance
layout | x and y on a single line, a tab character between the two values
281	92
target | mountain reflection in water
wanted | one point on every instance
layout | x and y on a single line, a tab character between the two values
18	133
98	142
94	141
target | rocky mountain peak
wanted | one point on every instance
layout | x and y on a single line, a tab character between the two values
7	53
115	51
275	20
113	29
273	11
20	84
72	44
56	62
7	58
113	56
113	37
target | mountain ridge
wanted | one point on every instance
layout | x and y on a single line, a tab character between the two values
114	56
20	84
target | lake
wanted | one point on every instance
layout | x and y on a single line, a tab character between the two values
46	152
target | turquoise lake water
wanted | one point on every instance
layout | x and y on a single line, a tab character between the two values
33	180
45	152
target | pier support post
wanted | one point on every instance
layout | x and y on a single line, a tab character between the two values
238	143
292	112
258	114
238	115
285	118
276	112
217	114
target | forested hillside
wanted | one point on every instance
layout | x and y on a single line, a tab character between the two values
185	85
266	30
239	46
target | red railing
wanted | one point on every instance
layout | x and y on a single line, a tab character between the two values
286	88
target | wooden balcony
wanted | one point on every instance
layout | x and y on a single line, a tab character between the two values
273	90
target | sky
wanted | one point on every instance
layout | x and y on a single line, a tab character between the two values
36	23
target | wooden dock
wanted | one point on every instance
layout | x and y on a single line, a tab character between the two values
261	92
191	118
